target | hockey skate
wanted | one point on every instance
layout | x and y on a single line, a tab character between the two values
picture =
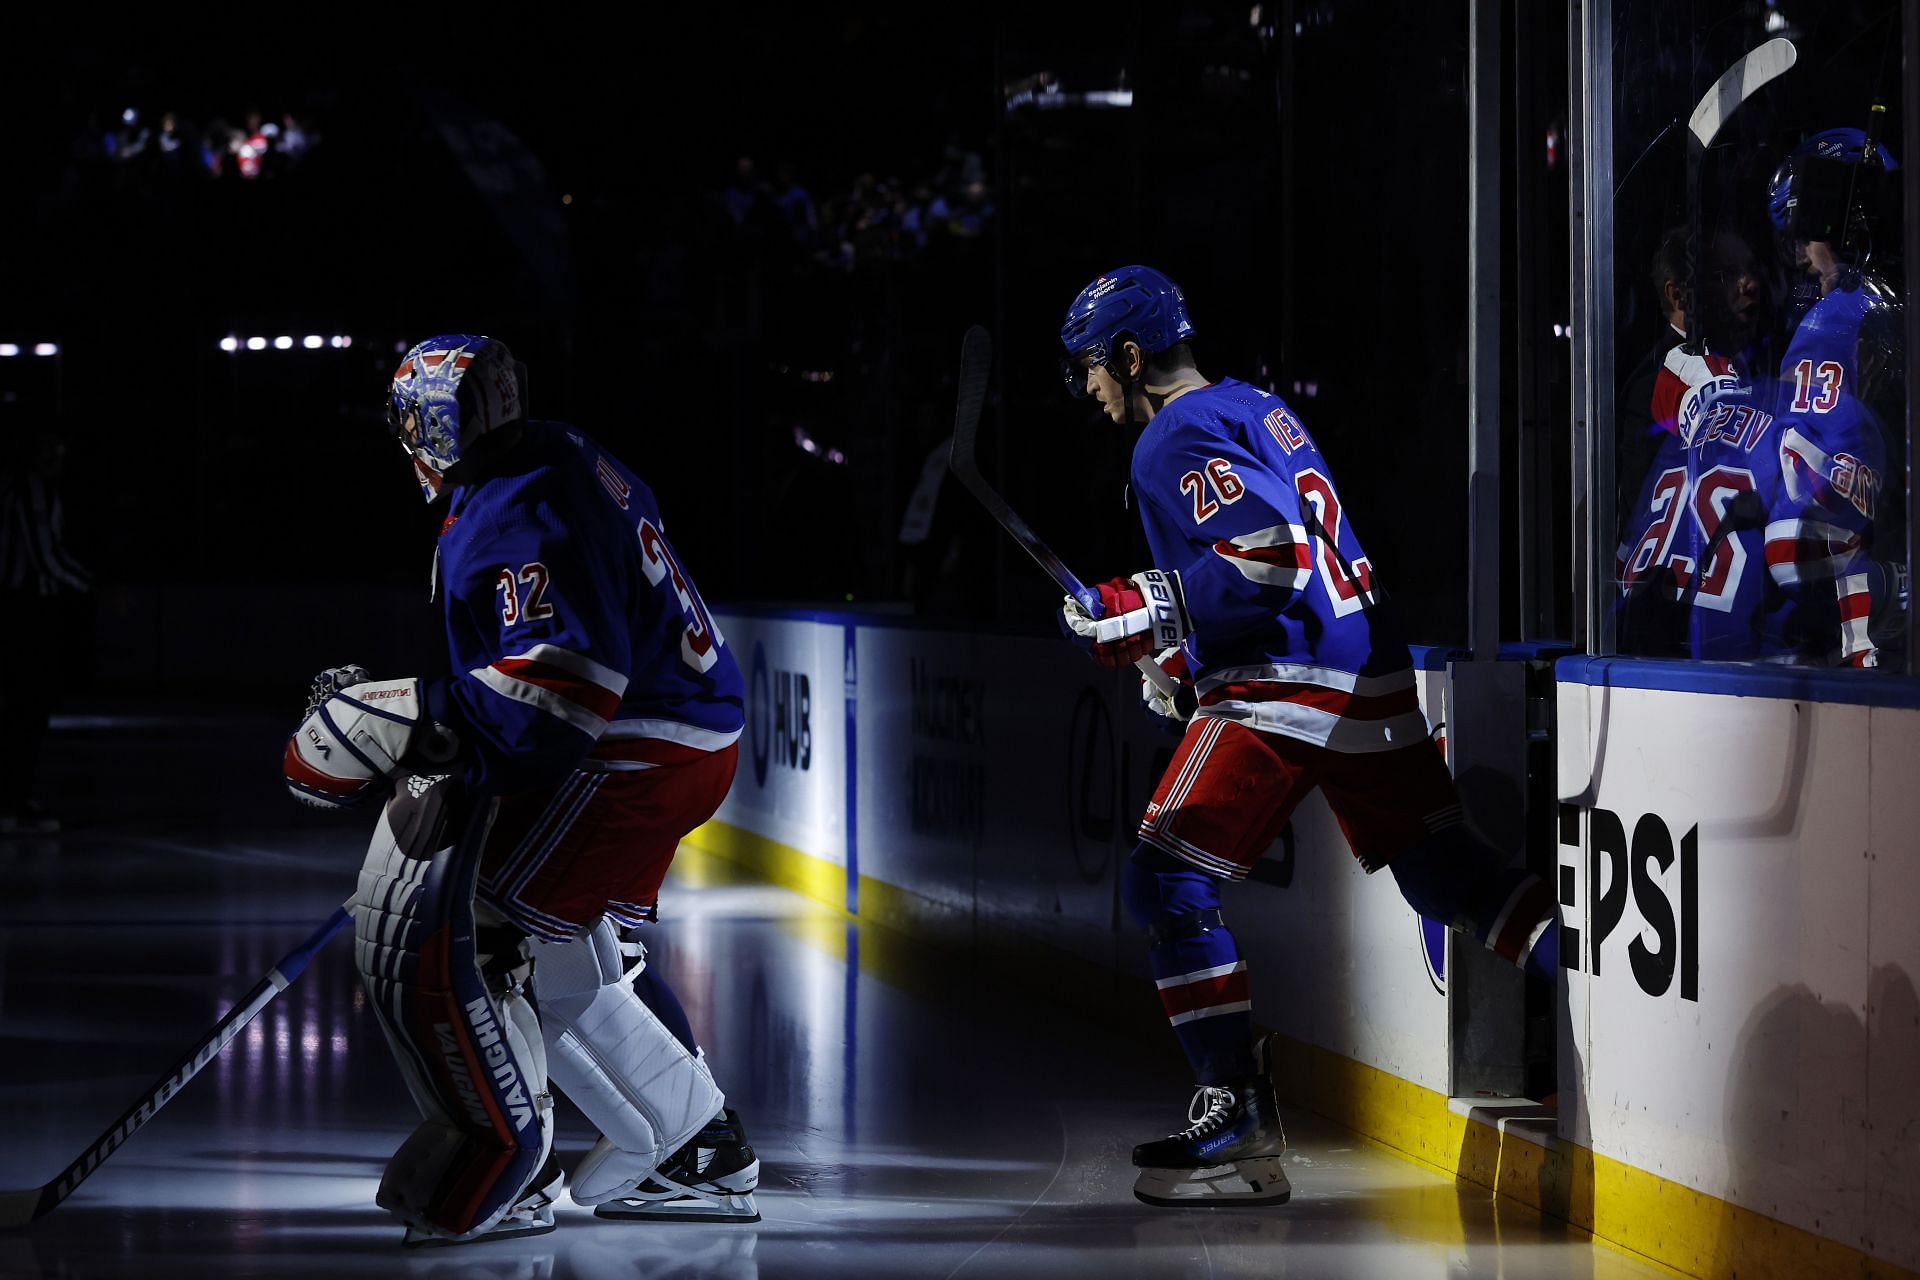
710	1179
1228	1155
532	1215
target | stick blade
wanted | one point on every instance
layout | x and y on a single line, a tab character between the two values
1738	83
19	1208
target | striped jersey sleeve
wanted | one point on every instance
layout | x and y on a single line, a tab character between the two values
1209	493
1817	544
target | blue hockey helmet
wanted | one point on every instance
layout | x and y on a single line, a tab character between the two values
1131	302
448	392
1808	195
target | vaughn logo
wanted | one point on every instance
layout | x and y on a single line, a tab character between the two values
779	717
499	1064
1642	901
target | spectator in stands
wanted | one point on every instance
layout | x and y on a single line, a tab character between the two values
794	205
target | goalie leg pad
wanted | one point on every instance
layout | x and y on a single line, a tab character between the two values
473	1058
618	1062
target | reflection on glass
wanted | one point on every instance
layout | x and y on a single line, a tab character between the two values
1759	435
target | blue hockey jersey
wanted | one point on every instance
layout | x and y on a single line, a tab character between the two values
573	628
1759	515
1289	634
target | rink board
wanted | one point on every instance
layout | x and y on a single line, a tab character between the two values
998	781
1736	1080
1744	876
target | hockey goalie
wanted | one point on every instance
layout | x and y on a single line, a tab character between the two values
537	796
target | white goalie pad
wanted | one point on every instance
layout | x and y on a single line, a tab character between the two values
618	1062
471	1052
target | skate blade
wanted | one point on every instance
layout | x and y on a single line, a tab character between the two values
417	1239
1259	1181
727	1209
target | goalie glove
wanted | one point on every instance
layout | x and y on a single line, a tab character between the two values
358	734
332	681
1138	616
1176	708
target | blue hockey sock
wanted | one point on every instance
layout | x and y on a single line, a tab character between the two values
654	992
1204	989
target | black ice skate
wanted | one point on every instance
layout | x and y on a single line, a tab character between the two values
710	1179
1230	1154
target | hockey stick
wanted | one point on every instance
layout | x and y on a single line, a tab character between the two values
18	1208
976	363
1758	68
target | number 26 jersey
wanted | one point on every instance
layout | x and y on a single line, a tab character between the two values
1290	635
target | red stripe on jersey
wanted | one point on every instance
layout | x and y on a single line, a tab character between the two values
1353	706
1854	605
1204	993
1287	555
1817	552
298	770
598	699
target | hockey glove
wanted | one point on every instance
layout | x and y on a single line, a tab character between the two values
1176	708
331	681
358	737
1138	616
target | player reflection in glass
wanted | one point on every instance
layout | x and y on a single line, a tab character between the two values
1292	675
1759	529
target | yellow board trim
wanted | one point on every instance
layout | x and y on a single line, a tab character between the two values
1687	1230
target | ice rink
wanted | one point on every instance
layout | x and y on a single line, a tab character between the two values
910	1121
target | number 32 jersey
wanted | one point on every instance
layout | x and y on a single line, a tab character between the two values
574	630
1289	633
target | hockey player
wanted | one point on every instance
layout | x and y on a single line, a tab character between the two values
590	722
1264	604
1756	528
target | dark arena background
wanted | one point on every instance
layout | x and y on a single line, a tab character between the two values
740	247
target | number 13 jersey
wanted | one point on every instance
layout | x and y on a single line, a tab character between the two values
1290	634
1761	511
572	626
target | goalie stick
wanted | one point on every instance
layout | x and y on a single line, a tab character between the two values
976	363
18	1208
1760	67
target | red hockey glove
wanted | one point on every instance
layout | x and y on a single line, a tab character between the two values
1138	616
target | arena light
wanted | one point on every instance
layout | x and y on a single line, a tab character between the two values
9	349
283	343
313	342
256	344
46	348
229	344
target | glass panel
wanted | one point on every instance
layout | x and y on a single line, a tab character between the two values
1759	434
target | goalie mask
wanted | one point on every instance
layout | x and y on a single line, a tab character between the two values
447	393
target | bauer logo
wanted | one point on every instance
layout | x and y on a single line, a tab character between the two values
1641	903
779	718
